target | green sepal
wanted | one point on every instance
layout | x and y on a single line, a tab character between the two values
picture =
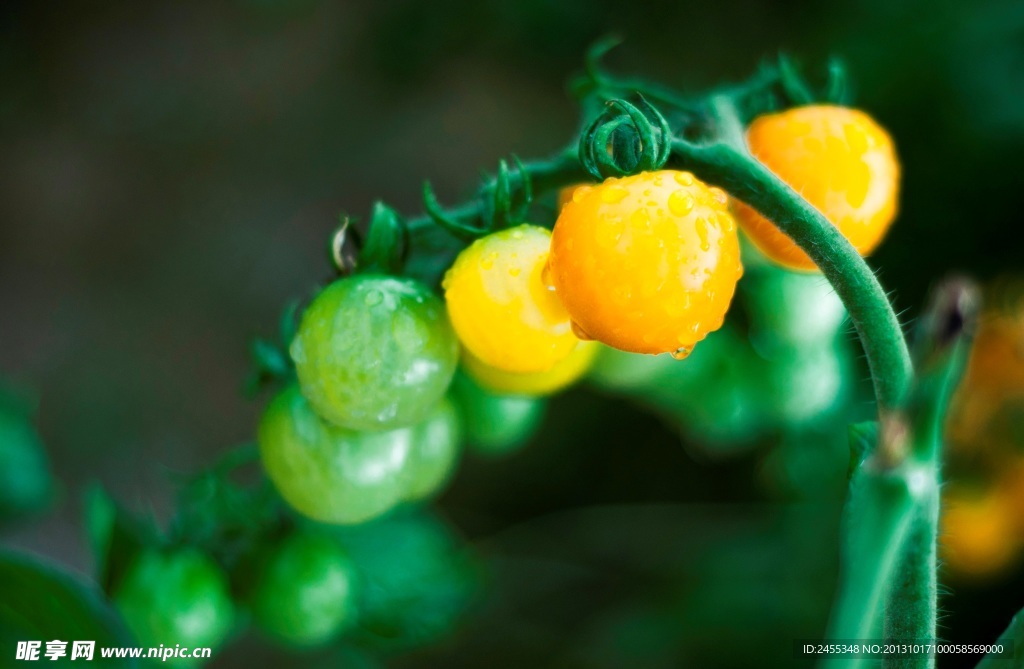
386	242
43	602
863	437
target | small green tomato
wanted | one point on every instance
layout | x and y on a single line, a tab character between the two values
435	452
375	352
496	424
330	473
175	598
305	591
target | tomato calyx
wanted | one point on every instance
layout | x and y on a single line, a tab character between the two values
503	202
625	139
384	249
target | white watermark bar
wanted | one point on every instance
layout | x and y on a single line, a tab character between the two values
30	651
880	649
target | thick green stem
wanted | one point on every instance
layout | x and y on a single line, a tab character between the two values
877	521
911	605
728	164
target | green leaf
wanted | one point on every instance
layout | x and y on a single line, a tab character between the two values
43	602
26	485
115	537
1014	635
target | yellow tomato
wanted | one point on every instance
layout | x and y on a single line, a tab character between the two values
561	375
565	195
977	533
841	161
500	307
646	263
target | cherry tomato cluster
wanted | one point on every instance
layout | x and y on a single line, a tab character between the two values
647	263
396	582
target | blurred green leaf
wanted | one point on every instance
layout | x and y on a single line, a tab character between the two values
42	602
1014	635
26	485
115	537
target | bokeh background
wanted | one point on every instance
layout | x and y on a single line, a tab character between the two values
170	174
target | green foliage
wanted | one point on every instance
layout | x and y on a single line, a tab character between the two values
26	485
42	602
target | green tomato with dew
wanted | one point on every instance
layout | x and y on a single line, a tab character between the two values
375	352
330	473
436	447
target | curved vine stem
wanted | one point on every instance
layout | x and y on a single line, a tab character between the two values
729	164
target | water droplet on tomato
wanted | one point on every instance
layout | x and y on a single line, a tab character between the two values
684	178
547	277
681	353
613	194
680	203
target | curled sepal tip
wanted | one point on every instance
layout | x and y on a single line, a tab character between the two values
837	87
507	200
626	139
387	242
793	84
447	221
344	245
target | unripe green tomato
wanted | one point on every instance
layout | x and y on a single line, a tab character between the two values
305	593
25	482
375	352
330	473
712	394
175	598
791	309
416	579
436	446
496	424
806	383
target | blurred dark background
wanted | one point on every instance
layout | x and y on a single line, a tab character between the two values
170	174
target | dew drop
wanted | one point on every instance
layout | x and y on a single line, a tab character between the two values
373	298
719	196
613	194
684	178
517	234
681	353
680	203
514	271
580	193
547	277
702	232
580	333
